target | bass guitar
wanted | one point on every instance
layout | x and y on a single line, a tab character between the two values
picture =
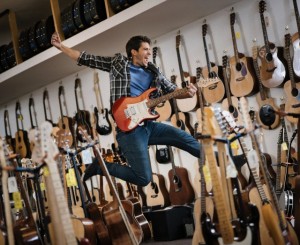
129	112
291	88
164	109
103	125
242	76
214	92
273	66
188	104
296	41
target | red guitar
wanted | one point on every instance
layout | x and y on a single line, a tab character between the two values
129	112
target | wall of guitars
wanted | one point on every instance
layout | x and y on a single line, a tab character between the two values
245	60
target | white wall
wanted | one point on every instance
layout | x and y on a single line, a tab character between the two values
280	14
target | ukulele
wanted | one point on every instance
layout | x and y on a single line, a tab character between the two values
242	76
230	103
82	117
287	234
157	193
180	119
188	104
181	191
122	230
6	199
296	42
10	141
214	92
103	124
21	136
266	119
272	70
64	123
164	109
291	88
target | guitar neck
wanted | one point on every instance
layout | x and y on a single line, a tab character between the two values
236	54
265	34
297	15
154	102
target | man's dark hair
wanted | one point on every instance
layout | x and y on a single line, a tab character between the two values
135	43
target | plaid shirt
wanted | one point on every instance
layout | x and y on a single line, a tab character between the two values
119	73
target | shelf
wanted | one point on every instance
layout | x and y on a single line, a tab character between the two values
149	17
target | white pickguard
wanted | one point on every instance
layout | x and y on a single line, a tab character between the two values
246	241
296	58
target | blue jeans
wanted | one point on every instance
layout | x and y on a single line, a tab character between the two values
134	146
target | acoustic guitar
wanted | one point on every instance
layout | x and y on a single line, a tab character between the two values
65	123
164	109
266	119
188	104
122	230
32	114
291	88
21	136
296	42
216	91
286	235
181	191
230	103
242	76
273	65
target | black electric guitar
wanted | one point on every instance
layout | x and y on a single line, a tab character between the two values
10	141
103	125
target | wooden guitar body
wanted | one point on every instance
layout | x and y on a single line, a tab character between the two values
216	91
84	228
233	108
164	110
181	191
273	74
94	213
22	143
181	120
157	193
297	206
242	78
65	125
266	119
291	100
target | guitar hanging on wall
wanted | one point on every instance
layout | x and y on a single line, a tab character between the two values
273	66
296	42
8	136
242	76
103	125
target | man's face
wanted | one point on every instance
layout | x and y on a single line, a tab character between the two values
141	57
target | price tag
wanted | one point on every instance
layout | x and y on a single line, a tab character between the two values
72	177
46	171
86	156
42	185
231	171
68	180
284	146
234	145
207	176
17	200
237	35
12	184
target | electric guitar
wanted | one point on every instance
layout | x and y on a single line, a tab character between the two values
242	76
214	92
266	119
129	112
103	125
273	68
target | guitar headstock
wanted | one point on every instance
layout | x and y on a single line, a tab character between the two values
35	138
287	39
204	30
208	120
173	79
154	54
96	77
48	147
232	18
262	6
85	135
77	83
254	51
245	113
224	61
